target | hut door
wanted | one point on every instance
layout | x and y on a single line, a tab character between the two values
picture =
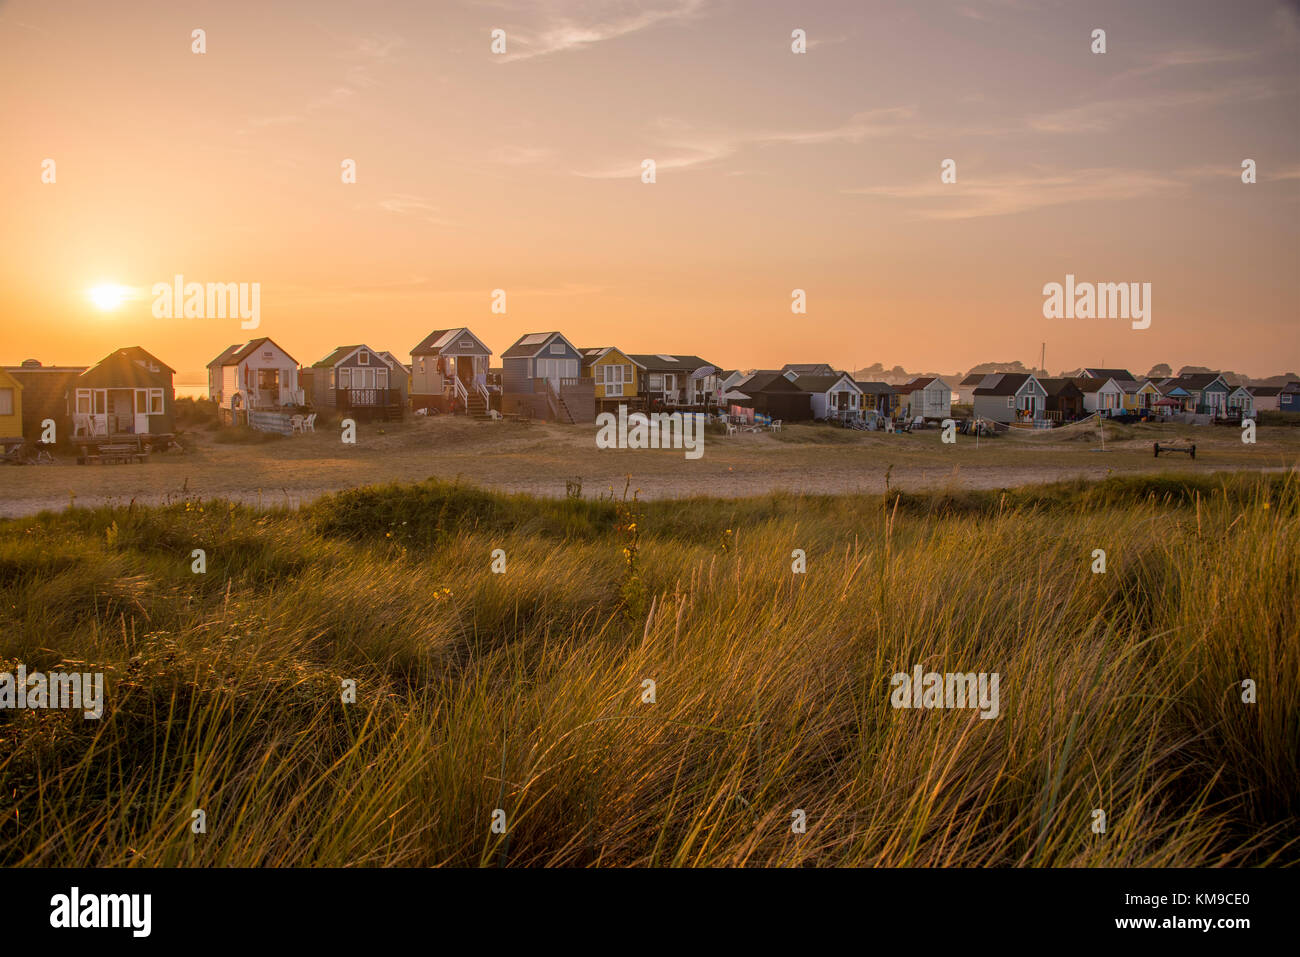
141	412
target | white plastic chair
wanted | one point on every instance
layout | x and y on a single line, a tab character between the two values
296	423
776	425
310	424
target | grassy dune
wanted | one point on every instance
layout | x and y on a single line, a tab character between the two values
523	691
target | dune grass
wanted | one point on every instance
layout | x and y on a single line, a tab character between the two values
524	691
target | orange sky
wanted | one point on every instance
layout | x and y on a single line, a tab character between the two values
776	171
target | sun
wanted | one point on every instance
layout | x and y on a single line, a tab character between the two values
108	296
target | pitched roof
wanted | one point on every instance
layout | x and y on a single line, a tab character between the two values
247	350
436	341
663	362
1056	385
1008	383
129	366
1088	383
920	382
529	345
242	352
1265	390
342	352
593	354
1119	375
821	383
1197	380
767	380
1130	385
222	359
876	388
335	356
808	368
975	378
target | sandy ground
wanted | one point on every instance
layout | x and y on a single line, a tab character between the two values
541	458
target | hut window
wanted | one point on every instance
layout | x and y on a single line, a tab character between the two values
155	401
557	348
83	400
363	358
6	401
345	379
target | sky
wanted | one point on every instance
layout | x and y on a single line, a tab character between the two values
774	171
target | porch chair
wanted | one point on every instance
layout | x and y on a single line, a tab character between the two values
296	424
776	425
309	425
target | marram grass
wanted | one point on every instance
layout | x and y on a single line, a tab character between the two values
523	691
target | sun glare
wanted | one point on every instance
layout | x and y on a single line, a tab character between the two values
107	296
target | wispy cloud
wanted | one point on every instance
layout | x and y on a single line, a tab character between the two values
360	57
1187	57
561	31
1002	196
1102	115
405	204
519	155
679	145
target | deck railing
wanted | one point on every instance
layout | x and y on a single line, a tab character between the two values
366	398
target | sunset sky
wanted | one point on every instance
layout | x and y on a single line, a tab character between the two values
776	171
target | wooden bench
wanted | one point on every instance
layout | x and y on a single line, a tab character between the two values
119	453
1189	449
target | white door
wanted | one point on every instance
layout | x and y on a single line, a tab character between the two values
141	411
613	381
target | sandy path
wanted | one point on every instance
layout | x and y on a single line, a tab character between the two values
539	459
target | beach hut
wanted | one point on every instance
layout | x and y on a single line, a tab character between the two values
542	378
1064	401
359	382
128	393
677	381
769	392
1100	395
1266	397
835	396
926	396
879	398
11	411
615	376
253	376
1209	392
449	371
45	395
1011	397
1241	402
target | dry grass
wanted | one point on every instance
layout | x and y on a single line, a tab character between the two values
523	691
